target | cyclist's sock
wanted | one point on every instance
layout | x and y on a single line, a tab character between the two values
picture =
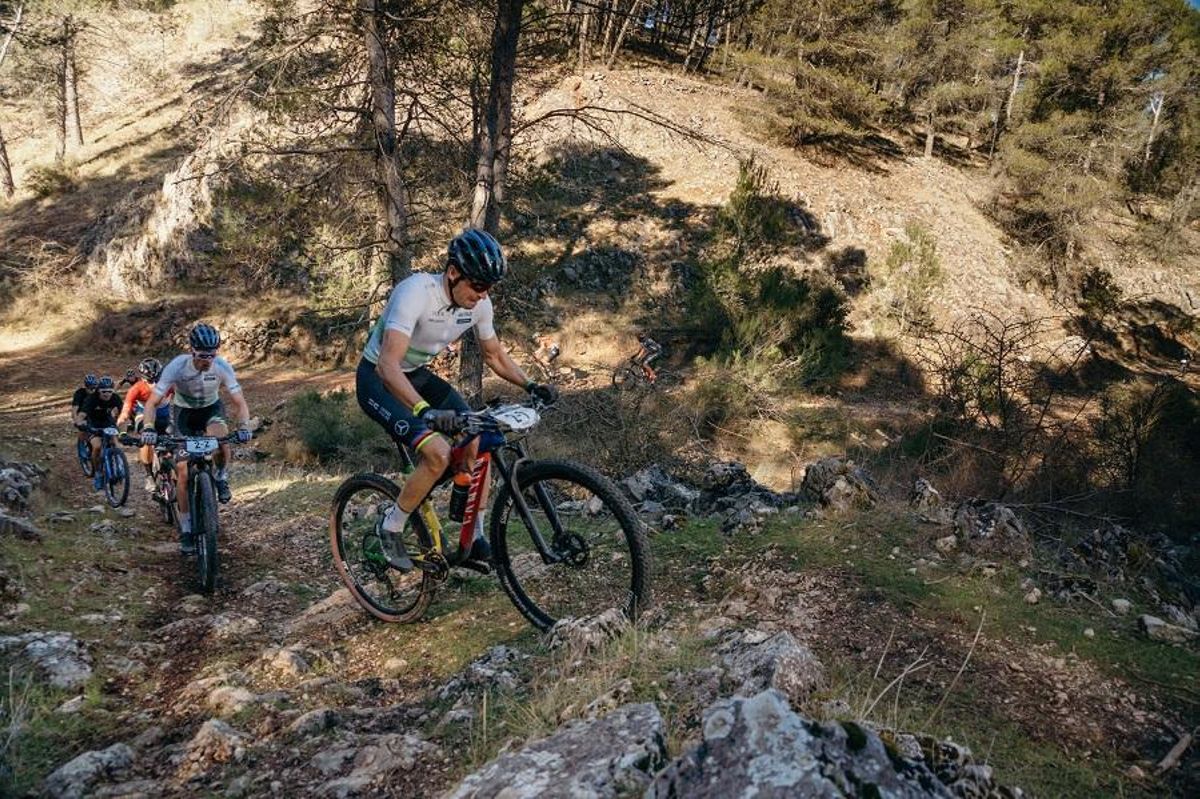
222	474
478	525
185	523
395	520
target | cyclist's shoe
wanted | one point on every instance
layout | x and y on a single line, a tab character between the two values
481	550
150	487
187	544
223	492
98	481
394	551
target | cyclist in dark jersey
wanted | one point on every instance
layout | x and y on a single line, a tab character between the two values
99	410
90	381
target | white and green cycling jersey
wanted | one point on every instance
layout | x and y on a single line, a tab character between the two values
194	388
420	308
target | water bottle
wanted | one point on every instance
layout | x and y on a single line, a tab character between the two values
458	495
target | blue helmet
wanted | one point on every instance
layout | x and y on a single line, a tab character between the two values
478	256
204	337
106	383
90	381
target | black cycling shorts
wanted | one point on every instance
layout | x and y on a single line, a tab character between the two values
195	421
393	415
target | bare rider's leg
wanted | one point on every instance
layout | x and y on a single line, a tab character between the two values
434	457
94	443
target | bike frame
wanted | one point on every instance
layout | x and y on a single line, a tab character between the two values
507	456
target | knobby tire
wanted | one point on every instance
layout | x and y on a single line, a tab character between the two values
204	528
348	544
116	477
545	593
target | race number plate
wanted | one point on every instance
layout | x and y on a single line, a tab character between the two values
516	418
201	446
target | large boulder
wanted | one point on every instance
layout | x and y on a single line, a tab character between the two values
59	659
838	484
606	757
78	777
759	747
778	662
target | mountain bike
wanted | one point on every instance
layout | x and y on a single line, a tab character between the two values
565	541
202	498
114	466
163	472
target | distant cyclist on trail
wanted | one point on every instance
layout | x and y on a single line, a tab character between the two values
135	398
99	410
196	410
425	313
648	351
90	381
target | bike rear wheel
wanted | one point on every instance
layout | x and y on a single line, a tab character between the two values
165	494
588	523
204	526
627	375
386	593
116	477
83	451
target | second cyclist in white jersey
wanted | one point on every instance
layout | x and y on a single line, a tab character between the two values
197	410
425	313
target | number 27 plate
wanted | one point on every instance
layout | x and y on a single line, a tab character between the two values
201	446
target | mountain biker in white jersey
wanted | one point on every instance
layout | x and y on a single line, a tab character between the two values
197	411
425	313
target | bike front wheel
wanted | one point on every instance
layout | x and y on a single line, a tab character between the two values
204	527
597	556
116	477
354	537
627	375
85	458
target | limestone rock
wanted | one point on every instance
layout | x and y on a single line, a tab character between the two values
838	484
586	633
59	659
1158	630
78	776
18	528
215	742
1122	606
607	757
496	668
759	747
374	763
779	662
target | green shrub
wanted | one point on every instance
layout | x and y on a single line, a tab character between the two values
53	180
332	428
755	214
1099	294
911	274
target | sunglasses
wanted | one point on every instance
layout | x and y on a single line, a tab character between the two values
106	391
204	355
478	287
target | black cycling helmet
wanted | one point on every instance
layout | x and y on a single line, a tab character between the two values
478	256
106	383
90	381
204	337
150	368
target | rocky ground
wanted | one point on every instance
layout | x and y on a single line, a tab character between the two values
833	626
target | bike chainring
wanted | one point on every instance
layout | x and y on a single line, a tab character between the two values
440	566
573	549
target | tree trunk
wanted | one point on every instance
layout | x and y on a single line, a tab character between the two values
6	178
60	97
612	55
1012	93
391	262
71	85
1156	107
930	135
583	42
493	149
